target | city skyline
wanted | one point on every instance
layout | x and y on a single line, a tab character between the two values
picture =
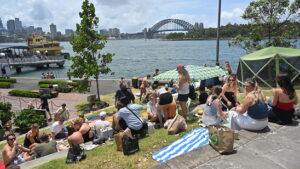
129	16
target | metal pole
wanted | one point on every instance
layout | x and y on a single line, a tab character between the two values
218	36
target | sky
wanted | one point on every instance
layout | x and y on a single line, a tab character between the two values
130	16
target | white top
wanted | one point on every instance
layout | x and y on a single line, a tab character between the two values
160	91
101	126
63	113
185	89
56	128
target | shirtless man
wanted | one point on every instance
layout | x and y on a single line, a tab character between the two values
144	85
13	153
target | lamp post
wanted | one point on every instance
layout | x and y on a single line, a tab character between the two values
218	36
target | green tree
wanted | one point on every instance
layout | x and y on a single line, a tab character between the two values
89	62
271	20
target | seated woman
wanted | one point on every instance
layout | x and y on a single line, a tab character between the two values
82	134
128	117
284	99
253	113
32	136
229	93
165	104
213	113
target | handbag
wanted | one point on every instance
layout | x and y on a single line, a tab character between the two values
144	130
221	138
130	145
75	154
178	123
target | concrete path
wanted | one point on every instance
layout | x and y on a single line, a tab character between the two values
277	149
71	99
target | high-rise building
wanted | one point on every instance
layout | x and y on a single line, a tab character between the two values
29	30
11	26
39	30
103	31
53	30
69	32
18	25
1	25
115	32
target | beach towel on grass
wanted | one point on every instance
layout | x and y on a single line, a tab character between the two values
190	141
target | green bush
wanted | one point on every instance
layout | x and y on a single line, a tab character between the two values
11	80
25	118
5	112
26	93
5	85
44	85
57	82
63	89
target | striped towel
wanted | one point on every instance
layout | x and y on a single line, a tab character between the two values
190	141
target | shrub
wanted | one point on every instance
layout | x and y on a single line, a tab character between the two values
57	82
5	112
63	89
25	118
44	85
26	93
5	85
11	80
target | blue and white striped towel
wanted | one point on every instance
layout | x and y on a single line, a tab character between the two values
191	141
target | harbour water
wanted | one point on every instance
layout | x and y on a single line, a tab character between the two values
136	58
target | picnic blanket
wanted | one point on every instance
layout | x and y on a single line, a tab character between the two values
190	141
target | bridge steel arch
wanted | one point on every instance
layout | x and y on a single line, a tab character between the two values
154	29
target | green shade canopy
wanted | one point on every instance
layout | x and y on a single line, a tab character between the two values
271	52
267	63
196	73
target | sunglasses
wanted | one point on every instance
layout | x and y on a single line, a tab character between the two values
231	80
10	139
247	86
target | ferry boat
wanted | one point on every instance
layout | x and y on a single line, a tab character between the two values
41	44
20	56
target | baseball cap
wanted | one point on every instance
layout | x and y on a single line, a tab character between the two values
102	114
180	66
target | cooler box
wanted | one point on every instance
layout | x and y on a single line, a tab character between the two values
134	82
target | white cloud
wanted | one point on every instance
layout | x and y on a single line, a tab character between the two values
127	15
236	13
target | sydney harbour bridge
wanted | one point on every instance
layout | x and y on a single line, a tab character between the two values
171	25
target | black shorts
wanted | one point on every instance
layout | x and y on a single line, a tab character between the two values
165	98
183	97
46	107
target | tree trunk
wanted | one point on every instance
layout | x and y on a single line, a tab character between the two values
97	85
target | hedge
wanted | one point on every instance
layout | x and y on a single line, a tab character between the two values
5	85
57	82
63	89
26	93
11	80
44	85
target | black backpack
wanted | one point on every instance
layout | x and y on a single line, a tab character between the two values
192	93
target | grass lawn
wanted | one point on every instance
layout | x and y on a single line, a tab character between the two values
106	156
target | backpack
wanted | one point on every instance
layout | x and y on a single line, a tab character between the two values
192	93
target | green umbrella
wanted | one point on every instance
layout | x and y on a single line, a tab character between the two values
197	73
